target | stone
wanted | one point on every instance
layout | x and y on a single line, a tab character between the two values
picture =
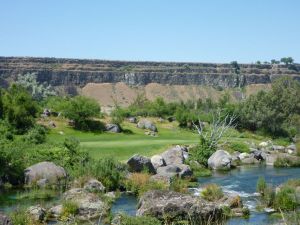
37	213
250	160
55	212
51	124
94	185
161	178
4	219
220	160
147	124
168	171
40	172
244	155
278	148
113	128
185	171
138	163
132	119
265	144
173	156
158	203
90	206
157	161
292	147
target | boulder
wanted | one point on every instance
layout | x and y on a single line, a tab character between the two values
265	144
168	171
94	185
278	148
185	171
5	220
55	212
113	128
138	163
90	206
250	160
173	156
37	213
157	161
147	124
161	178
177	206
220	160
45	173
243	155
292	147
132	119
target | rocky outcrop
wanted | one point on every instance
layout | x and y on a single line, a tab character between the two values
90	206
147	124
173	155
45	173
138	163
220	160
113	128
94	185
5	220
76	72
162	204
37	213
157	161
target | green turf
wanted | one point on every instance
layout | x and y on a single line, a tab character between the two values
122	146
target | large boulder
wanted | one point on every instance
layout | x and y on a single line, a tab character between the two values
173	155
90	206
180	170
94	185
220	160
157	161
147	124
113	128
138	163
55	212
132	119
5	220
37	213
45	173
176	206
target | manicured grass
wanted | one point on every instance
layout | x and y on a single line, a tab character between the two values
124	145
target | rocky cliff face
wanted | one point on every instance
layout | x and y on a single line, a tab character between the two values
75	72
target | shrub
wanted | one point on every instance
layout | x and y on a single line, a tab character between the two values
69	208
20	217
139	183
212	192
261	185
286	162
179	185
138	220
36	135
109	171
199	170
239	146
286	199
202	152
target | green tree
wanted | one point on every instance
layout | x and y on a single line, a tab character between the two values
1	104
287	60
19	108
82	109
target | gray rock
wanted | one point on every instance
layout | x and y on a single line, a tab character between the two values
138	163
4	219
90	206
161	178
55	212
185	171
157	161
278	148
220	160
292	147
94	185
168	171
147	124
178	206
114	128
45	172
37	213
243	155
173	156
250	160
132	119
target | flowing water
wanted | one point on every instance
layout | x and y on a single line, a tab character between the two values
241	181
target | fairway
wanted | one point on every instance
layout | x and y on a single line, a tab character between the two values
123	145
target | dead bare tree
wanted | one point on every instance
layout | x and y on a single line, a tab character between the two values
219	126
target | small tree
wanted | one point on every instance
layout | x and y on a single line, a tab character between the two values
287	60
210	138
82	109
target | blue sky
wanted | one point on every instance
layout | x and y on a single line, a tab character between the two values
156	30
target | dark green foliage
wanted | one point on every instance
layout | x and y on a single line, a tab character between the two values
261	185
82	110
202	151
19	108
138	220
109	171
286	162
287	60
36	135
286	199
272	111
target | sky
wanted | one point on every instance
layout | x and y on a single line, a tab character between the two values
154	30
